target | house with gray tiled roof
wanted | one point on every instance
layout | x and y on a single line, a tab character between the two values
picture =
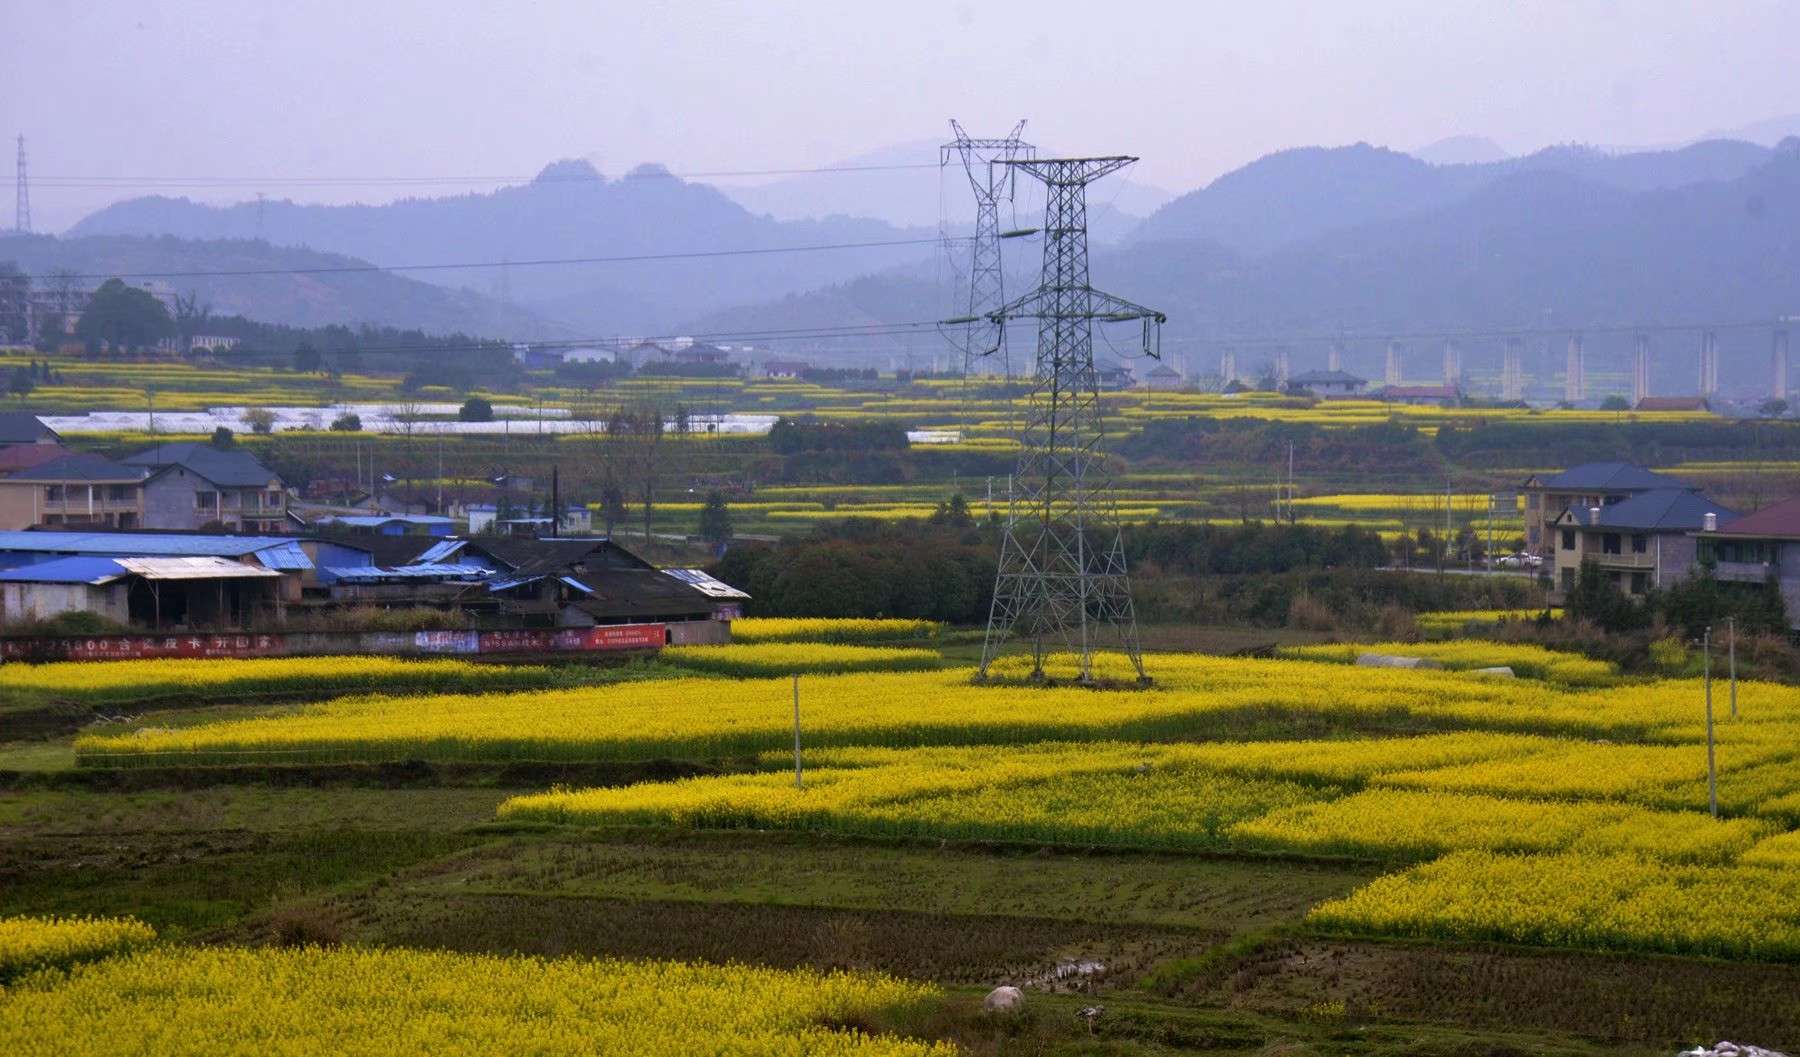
1641	543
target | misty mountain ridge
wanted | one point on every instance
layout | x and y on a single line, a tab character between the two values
569	210
1532	247
314	299
1294	195
921	193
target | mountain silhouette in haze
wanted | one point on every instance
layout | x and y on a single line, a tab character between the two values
318	297
569	210
1294	195
1364	240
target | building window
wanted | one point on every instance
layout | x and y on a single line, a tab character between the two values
1531	501
274	500
119	493
1568	540
1609	543
206	500
1568	579
53	493
1639	582
1640	543
1532	533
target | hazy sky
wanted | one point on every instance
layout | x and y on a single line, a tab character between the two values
384	88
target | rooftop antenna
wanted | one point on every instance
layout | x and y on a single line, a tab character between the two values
22	206
1062	558
986	162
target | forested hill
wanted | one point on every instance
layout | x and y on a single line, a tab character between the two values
312	299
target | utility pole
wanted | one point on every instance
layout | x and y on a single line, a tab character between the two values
985	163
22	204
1062	559
1731	626
1290	484
1712	770
797	781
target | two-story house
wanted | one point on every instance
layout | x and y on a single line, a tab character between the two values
81	490
192	485
1756	548
1642	542
1581	487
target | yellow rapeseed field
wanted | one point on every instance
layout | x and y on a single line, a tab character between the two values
28	943
126	681
1524	658
1582	901
751	659
224	1002
853	630
713	718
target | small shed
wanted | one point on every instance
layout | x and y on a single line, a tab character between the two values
152	592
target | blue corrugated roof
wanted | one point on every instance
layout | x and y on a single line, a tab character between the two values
147	543
82	570
576	584
439	551
286	556
375	520
426	571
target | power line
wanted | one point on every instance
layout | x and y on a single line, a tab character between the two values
628	258
99	181
1495	333
623	341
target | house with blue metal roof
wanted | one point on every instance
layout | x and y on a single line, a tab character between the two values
161	593
1641	543
1582	487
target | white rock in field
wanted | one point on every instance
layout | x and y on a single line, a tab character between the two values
1394	660
1004	1000
1730	1049
1498	672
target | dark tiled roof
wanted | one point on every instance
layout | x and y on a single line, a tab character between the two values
229	467
21	456
640	592
84	467
1661	510
22	427
1781	519
1327	378
1611	477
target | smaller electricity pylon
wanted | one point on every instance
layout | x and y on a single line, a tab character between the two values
1062	559
990	177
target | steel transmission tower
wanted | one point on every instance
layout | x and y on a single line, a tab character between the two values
1062	560
22	207
985	163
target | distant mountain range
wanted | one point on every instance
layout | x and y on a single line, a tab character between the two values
905	186
1294	195
314	299
568	211
1360	239
1313	240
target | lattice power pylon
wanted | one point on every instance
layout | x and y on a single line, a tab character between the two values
22	200
984	162
1062	561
